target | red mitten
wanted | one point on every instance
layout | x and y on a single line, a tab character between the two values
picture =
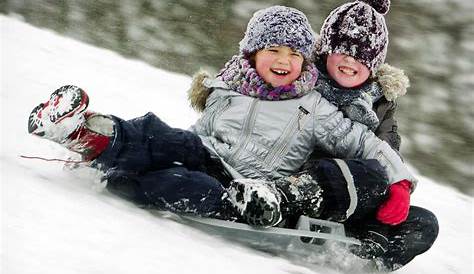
395	208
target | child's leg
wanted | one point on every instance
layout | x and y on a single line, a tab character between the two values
141	144
411	238
175	189
333	190
400	243
351	188
145	160
63	119
147	143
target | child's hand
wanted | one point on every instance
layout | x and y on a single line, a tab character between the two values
395	209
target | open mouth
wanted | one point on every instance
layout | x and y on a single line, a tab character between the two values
280	72
347	70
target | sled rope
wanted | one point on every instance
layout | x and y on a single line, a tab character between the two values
52	159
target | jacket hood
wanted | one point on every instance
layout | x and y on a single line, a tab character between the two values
198	93
393	81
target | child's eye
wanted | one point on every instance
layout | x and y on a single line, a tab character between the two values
273	50
296	54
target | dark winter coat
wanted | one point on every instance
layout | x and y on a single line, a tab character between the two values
373	103
394	84
388	127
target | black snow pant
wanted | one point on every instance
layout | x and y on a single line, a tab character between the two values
405	241
353	200
154	165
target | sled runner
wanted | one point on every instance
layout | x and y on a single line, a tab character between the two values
310	235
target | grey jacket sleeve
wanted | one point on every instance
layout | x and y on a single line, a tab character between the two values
346	139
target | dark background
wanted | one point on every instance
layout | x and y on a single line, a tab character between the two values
432	40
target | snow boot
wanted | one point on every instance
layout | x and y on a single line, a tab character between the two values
63	119
301	195
264	203
257	201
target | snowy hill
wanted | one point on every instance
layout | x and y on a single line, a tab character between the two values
58	221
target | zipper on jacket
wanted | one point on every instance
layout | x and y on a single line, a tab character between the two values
247	129
302	112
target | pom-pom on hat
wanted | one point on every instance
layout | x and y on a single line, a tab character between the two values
278	26
357	29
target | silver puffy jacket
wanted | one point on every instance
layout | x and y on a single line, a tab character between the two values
270	139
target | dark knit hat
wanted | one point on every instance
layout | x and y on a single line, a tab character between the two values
278	26
357	29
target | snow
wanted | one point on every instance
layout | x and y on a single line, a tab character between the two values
55	220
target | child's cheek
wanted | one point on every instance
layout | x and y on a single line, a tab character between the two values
331	69
262	66
364	73
296	69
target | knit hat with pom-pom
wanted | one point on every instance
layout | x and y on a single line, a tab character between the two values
357	29
278	26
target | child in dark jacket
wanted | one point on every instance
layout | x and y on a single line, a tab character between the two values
350	54
351	48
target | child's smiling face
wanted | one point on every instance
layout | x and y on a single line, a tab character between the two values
346	71
278	66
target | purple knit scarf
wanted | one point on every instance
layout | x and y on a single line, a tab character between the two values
241	77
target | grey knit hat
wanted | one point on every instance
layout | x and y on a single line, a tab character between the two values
357	29
278	26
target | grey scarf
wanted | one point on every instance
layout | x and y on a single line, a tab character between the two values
355	103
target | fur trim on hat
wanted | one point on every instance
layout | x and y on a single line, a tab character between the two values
198	93
393	80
